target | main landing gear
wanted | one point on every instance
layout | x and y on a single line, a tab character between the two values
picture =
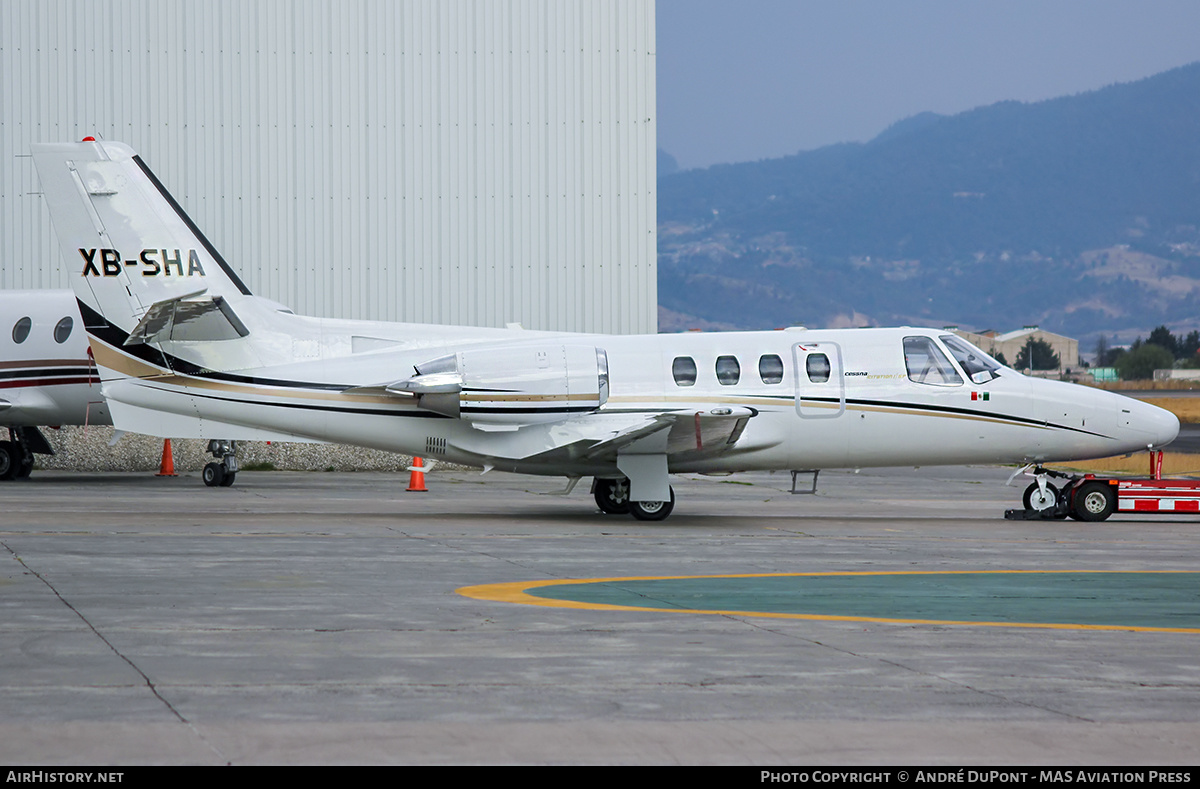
16	454
15	461
612	497
223	471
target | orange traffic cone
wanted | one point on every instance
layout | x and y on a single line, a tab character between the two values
167	467
416	481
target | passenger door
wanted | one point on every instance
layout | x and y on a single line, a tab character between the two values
820	380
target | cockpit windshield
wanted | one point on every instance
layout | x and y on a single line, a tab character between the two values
927	364
978	366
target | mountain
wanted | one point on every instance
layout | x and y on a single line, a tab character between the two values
666	164
1080	214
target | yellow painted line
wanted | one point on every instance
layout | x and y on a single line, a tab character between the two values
517	592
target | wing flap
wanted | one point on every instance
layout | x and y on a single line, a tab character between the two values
703	431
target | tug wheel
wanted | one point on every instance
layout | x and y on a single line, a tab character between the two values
1094	501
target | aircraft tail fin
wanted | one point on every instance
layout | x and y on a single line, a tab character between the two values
133	245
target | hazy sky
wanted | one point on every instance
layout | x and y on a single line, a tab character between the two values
753	79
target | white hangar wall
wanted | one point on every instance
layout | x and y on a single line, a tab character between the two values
442	161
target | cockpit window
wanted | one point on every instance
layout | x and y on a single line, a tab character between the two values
683	369
978	366
21	330
927	364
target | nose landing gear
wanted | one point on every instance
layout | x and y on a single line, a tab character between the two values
1092	498
1042	499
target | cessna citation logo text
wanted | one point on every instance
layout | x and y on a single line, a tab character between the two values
153	263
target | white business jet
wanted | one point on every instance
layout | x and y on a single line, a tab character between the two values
184	349
47	376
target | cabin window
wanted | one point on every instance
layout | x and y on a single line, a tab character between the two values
978	366
770	369
63	330
21	330
684	371
927	364
818	367
728	370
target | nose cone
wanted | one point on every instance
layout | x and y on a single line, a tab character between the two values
1157	426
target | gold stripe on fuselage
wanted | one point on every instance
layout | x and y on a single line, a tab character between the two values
114	359
916	409
528	398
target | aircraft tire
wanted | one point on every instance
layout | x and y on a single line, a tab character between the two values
214	474
1035	502
227	480
612	496
25	467
652	510
1094	501
9	459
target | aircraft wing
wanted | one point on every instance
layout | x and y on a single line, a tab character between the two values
696	432
688	433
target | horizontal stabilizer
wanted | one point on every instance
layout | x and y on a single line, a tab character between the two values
191	317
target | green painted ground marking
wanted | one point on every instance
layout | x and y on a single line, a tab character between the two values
1166	601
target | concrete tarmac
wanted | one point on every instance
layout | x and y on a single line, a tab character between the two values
313	618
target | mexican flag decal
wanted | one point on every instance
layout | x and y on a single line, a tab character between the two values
981	395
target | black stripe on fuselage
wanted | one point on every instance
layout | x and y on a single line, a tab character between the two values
422	414
45	372
918	408
579	409
947	409
102	329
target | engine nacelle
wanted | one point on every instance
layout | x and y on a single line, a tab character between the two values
512	385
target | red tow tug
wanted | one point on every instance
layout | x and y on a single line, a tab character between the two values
1092	498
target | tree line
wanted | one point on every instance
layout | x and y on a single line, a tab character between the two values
1161	350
